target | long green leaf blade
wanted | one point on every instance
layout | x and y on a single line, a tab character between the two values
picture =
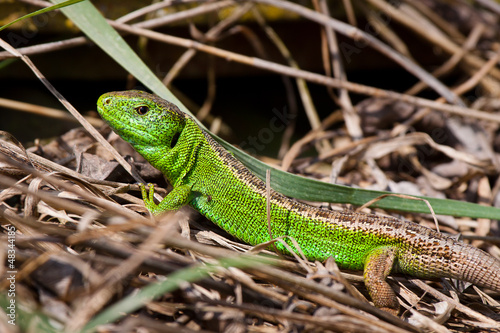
41	11
314	190
89	20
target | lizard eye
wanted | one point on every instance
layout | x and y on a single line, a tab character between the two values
175	138
142	110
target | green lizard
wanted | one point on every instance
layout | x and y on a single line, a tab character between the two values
208	178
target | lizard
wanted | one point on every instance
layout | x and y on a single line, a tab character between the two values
210	179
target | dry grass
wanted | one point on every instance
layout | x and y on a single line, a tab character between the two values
88	253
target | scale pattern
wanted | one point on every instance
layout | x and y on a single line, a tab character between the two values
227	193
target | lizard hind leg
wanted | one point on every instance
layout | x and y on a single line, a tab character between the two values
378	265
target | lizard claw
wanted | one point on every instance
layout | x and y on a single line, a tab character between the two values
148	196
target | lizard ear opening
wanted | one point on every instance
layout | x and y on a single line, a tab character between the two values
175	138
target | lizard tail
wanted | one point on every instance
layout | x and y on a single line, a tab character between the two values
476	266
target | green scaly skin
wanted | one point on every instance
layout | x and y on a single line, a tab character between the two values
209	179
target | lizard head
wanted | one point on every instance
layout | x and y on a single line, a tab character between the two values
144	120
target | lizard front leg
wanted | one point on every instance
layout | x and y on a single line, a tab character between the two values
178	197
378	265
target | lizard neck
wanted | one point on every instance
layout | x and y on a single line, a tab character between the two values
176	162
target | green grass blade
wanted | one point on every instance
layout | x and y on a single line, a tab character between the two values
314	190
89	20
147	294
94	25
27	319
41	11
